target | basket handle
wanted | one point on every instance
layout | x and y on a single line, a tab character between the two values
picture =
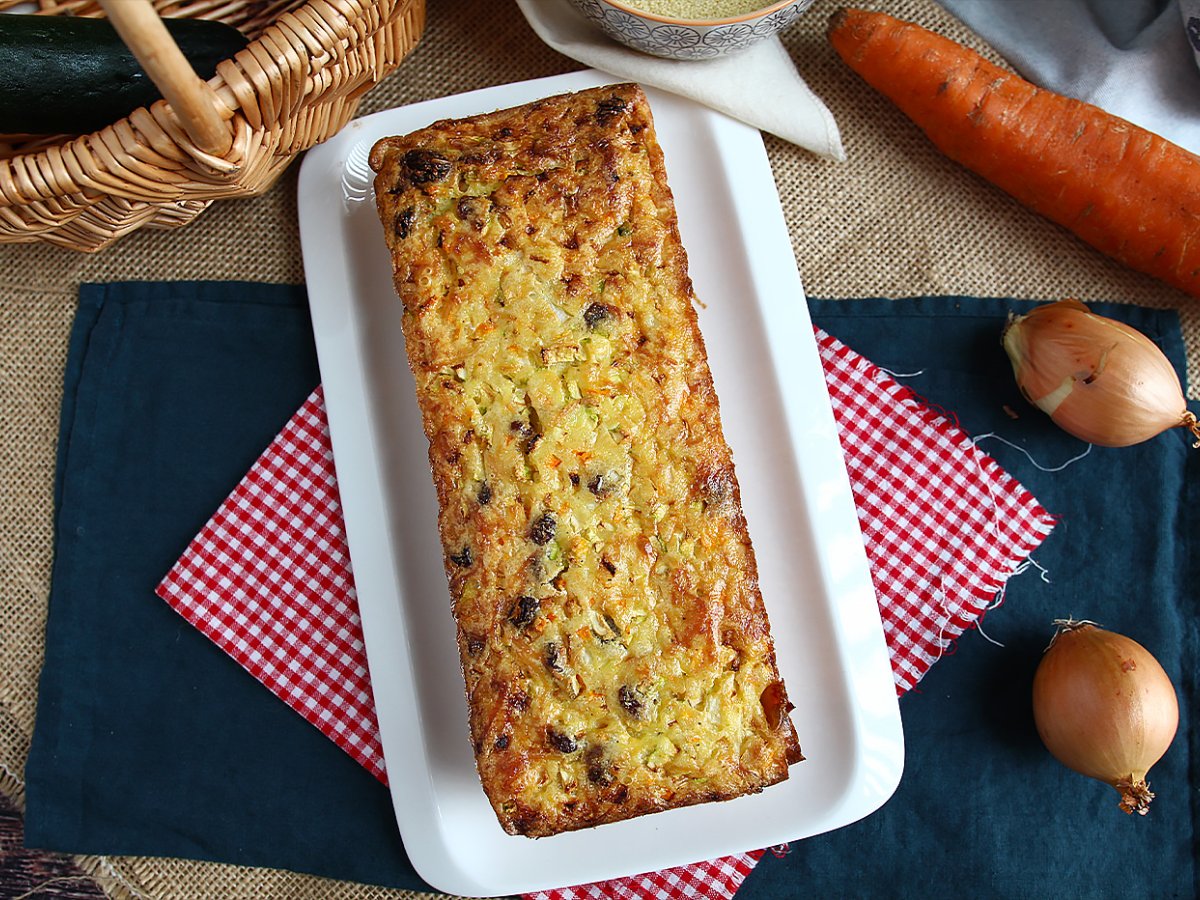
140	27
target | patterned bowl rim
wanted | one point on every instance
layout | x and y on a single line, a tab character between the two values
732	20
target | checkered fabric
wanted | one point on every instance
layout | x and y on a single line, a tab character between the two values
714	878
268	578
268	581
943	524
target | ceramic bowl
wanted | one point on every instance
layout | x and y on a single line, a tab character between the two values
689	38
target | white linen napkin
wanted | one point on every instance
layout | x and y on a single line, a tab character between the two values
759	86
1129	57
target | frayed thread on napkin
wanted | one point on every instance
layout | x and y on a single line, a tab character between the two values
268	578
759	85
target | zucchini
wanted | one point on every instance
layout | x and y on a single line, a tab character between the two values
72	74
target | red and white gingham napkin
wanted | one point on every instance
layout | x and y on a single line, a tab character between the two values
944	526
268	578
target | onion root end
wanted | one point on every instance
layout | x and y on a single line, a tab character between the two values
1135	796
1193	425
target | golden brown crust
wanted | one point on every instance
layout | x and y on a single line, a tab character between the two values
615	648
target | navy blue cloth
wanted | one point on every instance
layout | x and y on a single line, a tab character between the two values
150	741
982	809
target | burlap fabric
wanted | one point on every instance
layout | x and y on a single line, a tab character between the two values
896	219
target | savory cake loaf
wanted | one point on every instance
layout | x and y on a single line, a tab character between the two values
613	639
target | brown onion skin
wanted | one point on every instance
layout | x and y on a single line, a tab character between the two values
1099	379
1104	707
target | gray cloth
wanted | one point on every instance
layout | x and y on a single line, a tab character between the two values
1129	57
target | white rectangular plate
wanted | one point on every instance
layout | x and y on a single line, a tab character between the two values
775	408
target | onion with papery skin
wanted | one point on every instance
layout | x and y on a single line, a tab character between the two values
1105	708
1098	379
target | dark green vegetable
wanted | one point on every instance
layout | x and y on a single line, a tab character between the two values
72	75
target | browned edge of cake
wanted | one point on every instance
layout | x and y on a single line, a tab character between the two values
611	631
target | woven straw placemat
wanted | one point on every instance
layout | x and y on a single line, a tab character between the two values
896	219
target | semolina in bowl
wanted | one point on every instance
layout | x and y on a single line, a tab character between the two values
691	29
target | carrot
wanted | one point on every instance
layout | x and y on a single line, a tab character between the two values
1126	191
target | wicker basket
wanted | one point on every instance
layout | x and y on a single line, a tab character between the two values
298	82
